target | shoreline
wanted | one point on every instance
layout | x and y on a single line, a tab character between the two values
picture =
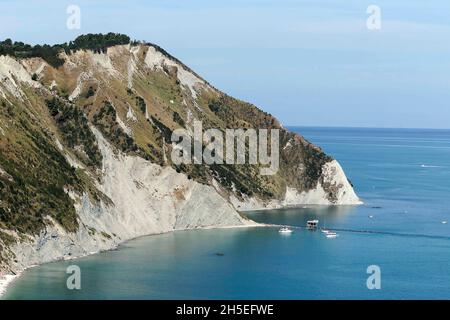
303	206
7	279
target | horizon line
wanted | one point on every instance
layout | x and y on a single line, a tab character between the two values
363	127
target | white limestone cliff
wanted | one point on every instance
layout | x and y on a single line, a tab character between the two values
332	175
146	199
141	198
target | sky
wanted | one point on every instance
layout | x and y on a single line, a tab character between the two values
307	62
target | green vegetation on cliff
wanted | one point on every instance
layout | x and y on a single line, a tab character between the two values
37	177
75	130
50	53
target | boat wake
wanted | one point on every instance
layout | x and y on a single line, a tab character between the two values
430	166
375	232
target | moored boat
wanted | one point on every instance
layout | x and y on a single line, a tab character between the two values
285	230
312	224
332	235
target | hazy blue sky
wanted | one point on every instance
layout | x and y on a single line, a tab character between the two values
308	62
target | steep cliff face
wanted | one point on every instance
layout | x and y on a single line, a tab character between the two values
85	155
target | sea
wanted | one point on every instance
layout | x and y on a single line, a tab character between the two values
394	246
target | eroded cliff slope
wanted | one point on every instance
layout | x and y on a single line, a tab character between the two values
85	145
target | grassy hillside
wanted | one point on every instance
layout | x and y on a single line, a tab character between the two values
102	81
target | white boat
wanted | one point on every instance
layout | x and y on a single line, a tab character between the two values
285	230
332	235
444	222
325	231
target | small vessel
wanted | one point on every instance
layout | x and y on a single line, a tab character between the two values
325	231
370	217
285	230
332	235
444	222
312	224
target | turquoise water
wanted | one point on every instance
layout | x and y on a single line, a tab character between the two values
403	177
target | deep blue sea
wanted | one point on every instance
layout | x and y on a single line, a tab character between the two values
403	176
